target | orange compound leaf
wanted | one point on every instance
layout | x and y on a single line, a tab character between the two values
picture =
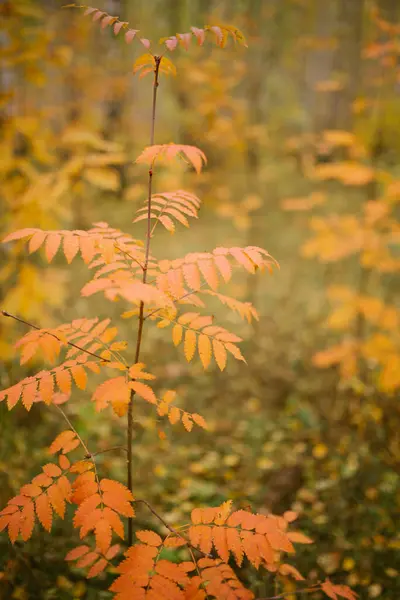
149	537
37	499
168	206
258	537
210	340
135	569
101	240
142	575
220	34
190	154
338	591
42	386
221	582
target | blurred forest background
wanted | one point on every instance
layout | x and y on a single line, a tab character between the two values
302	133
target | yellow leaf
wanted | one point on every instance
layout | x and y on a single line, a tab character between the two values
190	344
79	375
220	354
105	179
204	349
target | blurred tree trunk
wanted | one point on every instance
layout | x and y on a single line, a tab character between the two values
178	23
347	63
114	103
318	63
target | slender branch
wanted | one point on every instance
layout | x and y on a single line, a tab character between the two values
198	570
170	528
88	453
156	310
312	589
86	449
7	314
129	254
157	60
91	454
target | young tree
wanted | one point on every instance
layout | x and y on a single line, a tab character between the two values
155	291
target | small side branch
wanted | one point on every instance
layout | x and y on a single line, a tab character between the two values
7	314
171	529
310	590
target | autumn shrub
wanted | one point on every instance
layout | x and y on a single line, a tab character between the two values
201	559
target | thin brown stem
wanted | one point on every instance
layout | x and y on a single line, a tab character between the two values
198	570
129	255
86	449
315	588
7	314
170	528
157	60
92	454
156	310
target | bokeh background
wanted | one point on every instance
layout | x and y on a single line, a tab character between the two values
302	135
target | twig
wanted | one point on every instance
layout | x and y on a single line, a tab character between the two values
312	589
129	254
7	314
90	454
156	310
170	528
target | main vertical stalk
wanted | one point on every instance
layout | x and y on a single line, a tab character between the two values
141	308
